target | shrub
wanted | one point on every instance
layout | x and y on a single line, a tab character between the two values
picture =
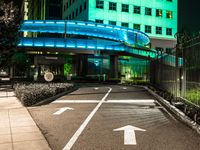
30	94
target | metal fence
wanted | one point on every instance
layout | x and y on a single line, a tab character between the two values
191	55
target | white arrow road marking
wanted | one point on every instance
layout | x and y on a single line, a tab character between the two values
129	134
73	139
62	110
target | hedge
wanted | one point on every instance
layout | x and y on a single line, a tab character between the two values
30	94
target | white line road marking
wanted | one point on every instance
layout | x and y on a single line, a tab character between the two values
77	101
131	101
62	110
129	134
124	88
96	88
73	139
108	101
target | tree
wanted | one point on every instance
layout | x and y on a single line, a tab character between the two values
9	26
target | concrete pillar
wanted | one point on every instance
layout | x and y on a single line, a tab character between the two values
82	64
113	66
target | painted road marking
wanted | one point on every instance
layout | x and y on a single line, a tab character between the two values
129	134
76	101
71	142
62	110
108	101
124	88
96	88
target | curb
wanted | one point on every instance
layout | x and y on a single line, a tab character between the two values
181	116
50	99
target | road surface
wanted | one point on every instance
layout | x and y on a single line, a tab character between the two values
112	117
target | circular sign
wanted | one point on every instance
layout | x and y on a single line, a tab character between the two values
48	76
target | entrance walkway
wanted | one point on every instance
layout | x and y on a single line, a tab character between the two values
18	131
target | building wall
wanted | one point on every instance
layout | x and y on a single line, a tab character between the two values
75	10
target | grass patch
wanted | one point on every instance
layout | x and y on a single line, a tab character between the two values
193	95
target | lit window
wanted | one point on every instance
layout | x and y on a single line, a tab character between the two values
158	12
136	10
148	11
98	21
125	8
99	4
112	22
136	26
112	6
158	30
169	14
125	24
147	29
169	31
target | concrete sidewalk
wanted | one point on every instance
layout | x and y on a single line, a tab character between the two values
18	131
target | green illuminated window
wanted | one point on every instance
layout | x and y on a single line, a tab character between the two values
136	9
158	12
98	21
148	11
100	4
169	14
112	6
147	29
169	31
125	8
158	30
124	24
112	22
136	26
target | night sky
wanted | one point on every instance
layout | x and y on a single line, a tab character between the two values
189	15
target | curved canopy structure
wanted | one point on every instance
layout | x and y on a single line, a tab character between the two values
132	38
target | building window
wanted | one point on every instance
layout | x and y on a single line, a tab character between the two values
169	0
99	4
76	12
125	8
148	11
158	12
159	48
80	11
98	21
147	29
158	30
64	7
136	9
124	24
112	23
85	5
169	31
67	5
169	14
169	50
136	26
112	6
